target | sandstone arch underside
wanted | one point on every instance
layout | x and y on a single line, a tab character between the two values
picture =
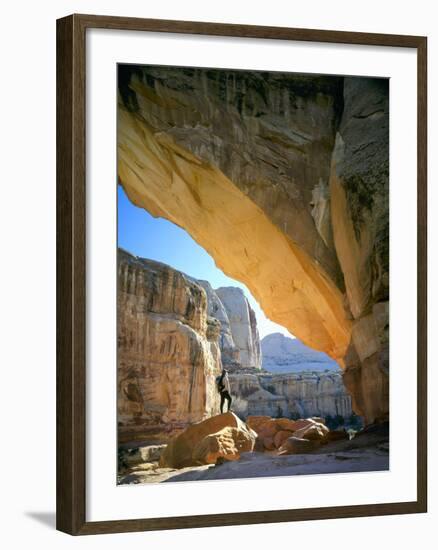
269	174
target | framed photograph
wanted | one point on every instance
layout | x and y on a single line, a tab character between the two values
241	274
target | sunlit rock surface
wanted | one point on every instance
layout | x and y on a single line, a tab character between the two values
299	395
282	354
230	352
168	351
174	337
283	180
243	325
222	436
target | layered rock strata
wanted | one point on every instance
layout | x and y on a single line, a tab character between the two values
243	326
230	353
168	351
174	337
283	179
298	395
239	336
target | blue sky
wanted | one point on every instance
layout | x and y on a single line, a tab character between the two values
158	239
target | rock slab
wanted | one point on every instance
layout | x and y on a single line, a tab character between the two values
223	435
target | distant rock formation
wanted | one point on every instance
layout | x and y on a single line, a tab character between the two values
282	354
168	351
230	353
290	395
243	325
283	178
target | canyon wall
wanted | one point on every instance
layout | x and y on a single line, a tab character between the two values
230	352
285	395
283	179
168	351
174	336
359	190
243	325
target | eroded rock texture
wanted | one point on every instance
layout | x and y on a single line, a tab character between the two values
239	336
299	395
283	179
243	325
359	188
168	351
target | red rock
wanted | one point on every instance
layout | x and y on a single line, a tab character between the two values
179	451
268	443
256	422
313	432
286	424
302	423
227	444
268	429
280	437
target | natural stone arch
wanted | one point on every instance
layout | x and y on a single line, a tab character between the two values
283	179
170	182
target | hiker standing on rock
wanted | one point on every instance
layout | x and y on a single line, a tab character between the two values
223	386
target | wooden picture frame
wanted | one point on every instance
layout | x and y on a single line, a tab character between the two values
71	274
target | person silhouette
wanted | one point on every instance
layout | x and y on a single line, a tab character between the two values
223	386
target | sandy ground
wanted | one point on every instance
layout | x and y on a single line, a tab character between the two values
255	465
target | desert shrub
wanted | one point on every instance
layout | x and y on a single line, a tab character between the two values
354	422
334	422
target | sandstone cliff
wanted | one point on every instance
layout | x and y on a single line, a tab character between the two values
168	351
243	325
283	179
300	395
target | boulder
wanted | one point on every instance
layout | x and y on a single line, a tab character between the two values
268	429
286	424
140	455
313	432
256	422
318	419
298	445
226	444
267	443
273	432
303	423
179	453
269	426
280	437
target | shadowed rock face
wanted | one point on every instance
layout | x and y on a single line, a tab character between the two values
283	179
